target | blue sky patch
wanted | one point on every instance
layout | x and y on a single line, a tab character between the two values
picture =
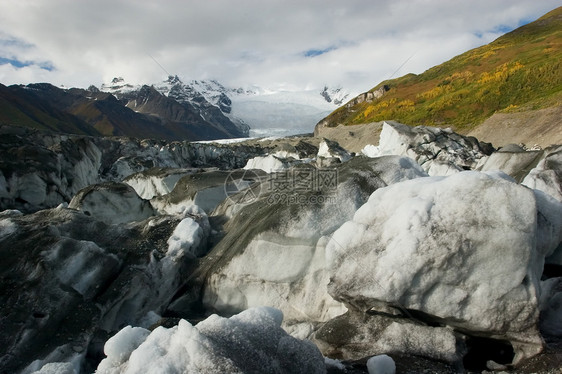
20	64
317	52
504	29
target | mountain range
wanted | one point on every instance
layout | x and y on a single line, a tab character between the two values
504	84
168	110
141	113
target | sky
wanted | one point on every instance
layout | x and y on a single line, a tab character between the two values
274	44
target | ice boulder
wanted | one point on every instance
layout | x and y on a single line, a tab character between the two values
186	240
156	181
547	175
269	163
357	334
250	342
76	276
112	203
512	160
273	252
40	170
461	251
430	145
205	189
330	148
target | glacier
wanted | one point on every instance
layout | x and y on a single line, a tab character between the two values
431	248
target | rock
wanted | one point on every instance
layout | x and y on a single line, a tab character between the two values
427	145
112	203
511	148
306	149
381	364
399	252
353	138
250	342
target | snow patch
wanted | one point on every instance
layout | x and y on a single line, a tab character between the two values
331	363
251	341
269	164
371	151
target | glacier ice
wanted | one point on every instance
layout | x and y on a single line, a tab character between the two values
436	245
112	203
274	252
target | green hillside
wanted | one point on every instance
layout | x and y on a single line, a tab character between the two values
519	71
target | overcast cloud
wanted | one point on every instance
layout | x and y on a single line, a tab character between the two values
269	43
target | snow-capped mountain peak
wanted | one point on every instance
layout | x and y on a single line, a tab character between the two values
285	111
118	86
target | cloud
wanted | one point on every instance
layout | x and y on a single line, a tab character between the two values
277	43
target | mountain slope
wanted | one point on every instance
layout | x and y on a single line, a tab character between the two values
22	106
175	101
519	71
140	112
